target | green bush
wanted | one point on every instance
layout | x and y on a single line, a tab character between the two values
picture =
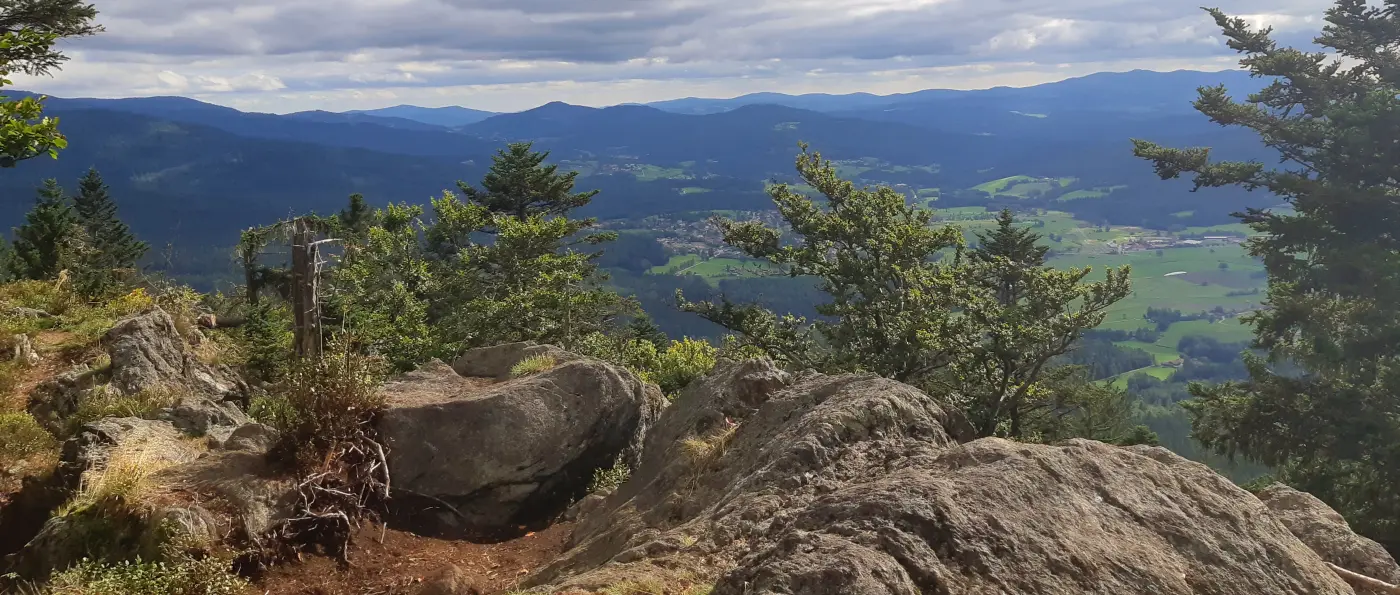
273	410
682	363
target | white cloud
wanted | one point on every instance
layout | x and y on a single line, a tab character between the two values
285	55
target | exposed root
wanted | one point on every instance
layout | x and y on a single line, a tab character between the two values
330	507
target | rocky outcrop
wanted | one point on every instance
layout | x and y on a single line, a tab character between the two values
1327	533
148	354
514	452
764	483
130	448
24	353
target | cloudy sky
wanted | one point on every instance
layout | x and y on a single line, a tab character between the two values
508	55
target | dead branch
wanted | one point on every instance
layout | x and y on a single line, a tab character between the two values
1363	581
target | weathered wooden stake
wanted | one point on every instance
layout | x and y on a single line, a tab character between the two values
306	308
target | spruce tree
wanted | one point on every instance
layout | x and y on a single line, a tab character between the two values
1018	245
520	184
643	328
356	218
46	243
1333	261
110	250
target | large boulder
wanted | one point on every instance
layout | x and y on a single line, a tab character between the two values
1327	533
515	452
758	482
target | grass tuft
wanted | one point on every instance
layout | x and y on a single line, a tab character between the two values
533	365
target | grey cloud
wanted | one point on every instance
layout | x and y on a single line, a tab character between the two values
364	44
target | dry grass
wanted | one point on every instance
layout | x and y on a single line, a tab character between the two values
126	478
533	365
104	401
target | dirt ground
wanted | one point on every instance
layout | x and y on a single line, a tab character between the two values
404	560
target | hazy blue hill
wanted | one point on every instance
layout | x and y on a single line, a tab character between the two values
1134	91
199	185
349	134
451	116
357	118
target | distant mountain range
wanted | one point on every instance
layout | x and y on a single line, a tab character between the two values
196	173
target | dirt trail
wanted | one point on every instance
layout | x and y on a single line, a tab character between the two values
400	564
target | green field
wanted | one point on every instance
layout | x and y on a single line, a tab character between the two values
651	173
997	186
681	261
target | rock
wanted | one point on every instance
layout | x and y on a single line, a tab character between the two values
148	352
53	400
452	581
194	523
253	437
858	484
242	482
19	312
159	442
1327	533
199	416
496	362
516	452
24	352
136	448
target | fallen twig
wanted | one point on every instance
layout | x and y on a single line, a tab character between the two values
1361	580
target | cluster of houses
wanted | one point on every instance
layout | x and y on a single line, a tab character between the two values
1140	243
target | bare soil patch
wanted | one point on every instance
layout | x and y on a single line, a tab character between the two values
399	564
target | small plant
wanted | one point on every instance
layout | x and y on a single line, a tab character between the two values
534	364
125	478
182	574
609	479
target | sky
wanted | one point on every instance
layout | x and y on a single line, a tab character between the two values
508	55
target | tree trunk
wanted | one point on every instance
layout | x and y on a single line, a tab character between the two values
306	309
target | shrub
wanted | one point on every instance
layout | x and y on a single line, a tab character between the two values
682	363
534	364
10	373
182	574
265	341
22	438
329	402
272	410
609	479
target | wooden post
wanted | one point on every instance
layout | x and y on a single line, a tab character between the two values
306	309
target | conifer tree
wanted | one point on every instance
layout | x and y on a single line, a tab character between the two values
45	244
520	184
1333	261
1018	245
643	328
355	219
110	250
